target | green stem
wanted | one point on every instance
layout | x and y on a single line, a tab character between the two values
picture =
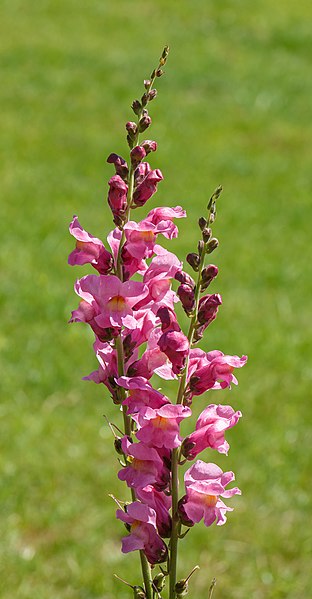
147	576
175	458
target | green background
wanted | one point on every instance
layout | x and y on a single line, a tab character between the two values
234	108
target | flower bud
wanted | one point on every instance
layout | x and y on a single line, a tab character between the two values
212	245
184	278
131	128
187	297
149	145
200	246
144	123
137	154
168	319
138	593
181	588
187	447
152	94
159	581
159	72
208	274
206	233
117	445
147	83
120	165
193	260
136	106
144	99
202	223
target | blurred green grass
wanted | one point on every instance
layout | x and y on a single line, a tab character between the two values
234	107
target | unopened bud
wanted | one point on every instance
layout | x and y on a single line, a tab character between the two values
208	274
212	245
149	145
131	128
147	83
137	154
185	278
152	94
207	232
136	106
181	587
138	593
187	297
187	447
165	53
144	123
202	222
159	72
193	260
117	445
200	246
159	581
144	99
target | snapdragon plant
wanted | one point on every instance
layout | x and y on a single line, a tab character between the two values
138	338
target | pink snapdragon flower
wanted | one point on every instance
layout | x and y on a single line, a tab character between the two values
143	533
152	361
147	187
210	428
163	213
141	394
207	312
213	370
205	484
89	249
157	278
144	466
161	503
159	427
108	368
112	299
176	347
87	312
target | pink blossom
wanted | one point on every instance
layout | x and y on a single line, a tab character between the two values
160	427
213	370
210	428
144	466
87	312
141	394
152	361
168	319
147	187
161	503
158	280
205	484
111	299
89	249
141	172
117	197
143	535
108	368
176	347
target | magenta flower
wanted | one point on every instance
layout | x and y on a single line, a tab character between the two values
143	534
161	503
205	484
163	213
141	394
176	347
210	428
120	165
87	312
158	278
112	299
152	361
213	370
89	249
144	466
147	187
159	427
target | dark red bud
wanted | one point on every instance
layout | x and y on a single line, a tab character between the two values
202	223
193	260
144	123
136	107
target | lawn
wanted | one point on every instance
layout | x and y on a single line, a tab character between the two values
234	108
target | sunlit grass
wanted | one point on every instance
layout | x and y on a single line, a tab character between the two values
233	108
